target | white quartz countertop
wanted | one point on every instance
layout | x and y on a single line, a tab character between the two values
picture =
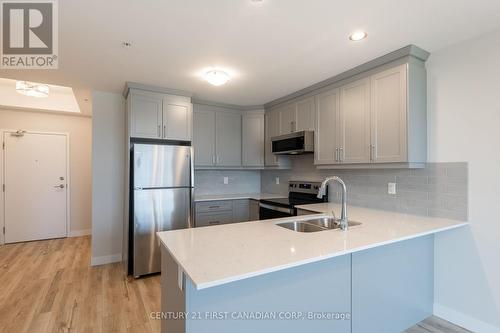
254	196
217	255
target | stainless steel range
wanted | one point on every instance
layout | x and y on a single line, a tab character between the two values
299	193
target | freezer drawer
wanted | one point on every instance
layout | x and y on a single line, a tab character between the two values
160	166
157	210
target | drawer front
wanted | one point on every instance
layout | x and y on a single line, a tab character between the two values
214	206
207	219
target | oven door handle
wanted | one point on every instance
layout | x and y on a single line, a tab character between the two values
276	208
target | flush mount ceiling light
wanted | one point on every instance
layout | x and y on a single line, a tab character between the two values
32	89
358	35
216	77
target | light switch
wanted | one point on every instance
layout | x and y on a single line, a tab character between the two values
277	180
226	180
391	188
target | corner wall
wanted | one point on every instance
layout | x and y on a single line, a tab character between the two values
108	170
463	125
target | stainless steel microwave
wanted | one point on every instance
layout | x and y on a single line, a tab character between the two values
294	143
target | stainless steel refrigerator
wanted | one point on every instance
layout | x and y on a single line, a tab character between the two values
162	199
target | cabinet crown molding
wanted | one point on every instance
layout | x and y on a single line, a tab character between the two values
407	51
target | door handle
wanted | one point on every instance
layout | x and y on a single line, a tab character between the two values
164	131
214	222
159	131
372	151
336	154
341	154
59	186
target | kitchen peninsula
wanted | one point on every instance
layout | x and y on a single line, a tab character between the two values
377	276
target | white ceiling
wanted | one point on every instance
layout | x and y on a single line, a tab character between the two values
272	49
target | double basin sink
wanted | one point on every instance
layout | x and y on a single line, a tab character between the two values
315	225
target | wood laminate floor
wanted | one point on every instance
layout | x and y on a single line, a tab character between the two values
49	286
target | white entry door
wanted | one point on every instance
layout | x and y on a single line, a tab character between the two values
35	197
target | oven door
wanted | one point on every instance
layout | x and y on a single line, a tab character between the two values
267	212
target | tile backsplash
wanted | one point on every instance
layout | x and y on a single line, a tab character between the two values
239	181
438	190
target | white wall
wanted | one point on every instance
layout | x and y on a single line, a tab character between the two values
108	169
80	131
464	125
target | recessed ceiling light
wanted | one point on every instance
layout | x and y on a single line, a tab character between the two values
32	89
358	35
216	77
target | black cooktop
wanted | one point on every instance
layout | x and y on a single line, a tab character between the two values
291	202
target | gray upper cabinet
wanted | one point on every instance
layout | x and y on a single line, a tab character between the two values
298	116
287	119
204	138
253	139
389	115
228	139
145	115
177	120
327	121
354	125
272	128
159	116
379	120
305	115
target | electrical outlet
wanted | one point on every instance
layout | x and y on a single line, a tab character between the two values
277	180
226	180
391	188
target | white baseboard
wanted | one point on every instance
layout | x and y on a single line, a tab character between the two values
96	261
460	319
79	233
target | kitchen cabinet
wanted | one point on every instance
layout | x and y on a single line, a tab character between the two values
222	212
204	138
305	114
287	119
241	210
272	128
253	139
228	139
298	116
327	121
389	115
159	116
254	210
377	121
177	120
354	124
145	115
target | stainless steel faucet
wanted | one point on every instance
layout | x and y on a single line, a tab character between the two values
343	222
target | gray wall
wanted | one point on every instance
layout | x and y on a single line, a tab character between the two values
240	181
438	190
108	176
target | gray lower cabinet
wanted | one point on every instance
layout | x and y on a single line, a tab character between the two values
222	212
254	210
241	210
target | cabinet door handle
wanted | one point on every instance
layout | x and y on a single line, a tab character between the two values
159	131
336	154
372	152
214	207
217	159
341	154
164	131
214	222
